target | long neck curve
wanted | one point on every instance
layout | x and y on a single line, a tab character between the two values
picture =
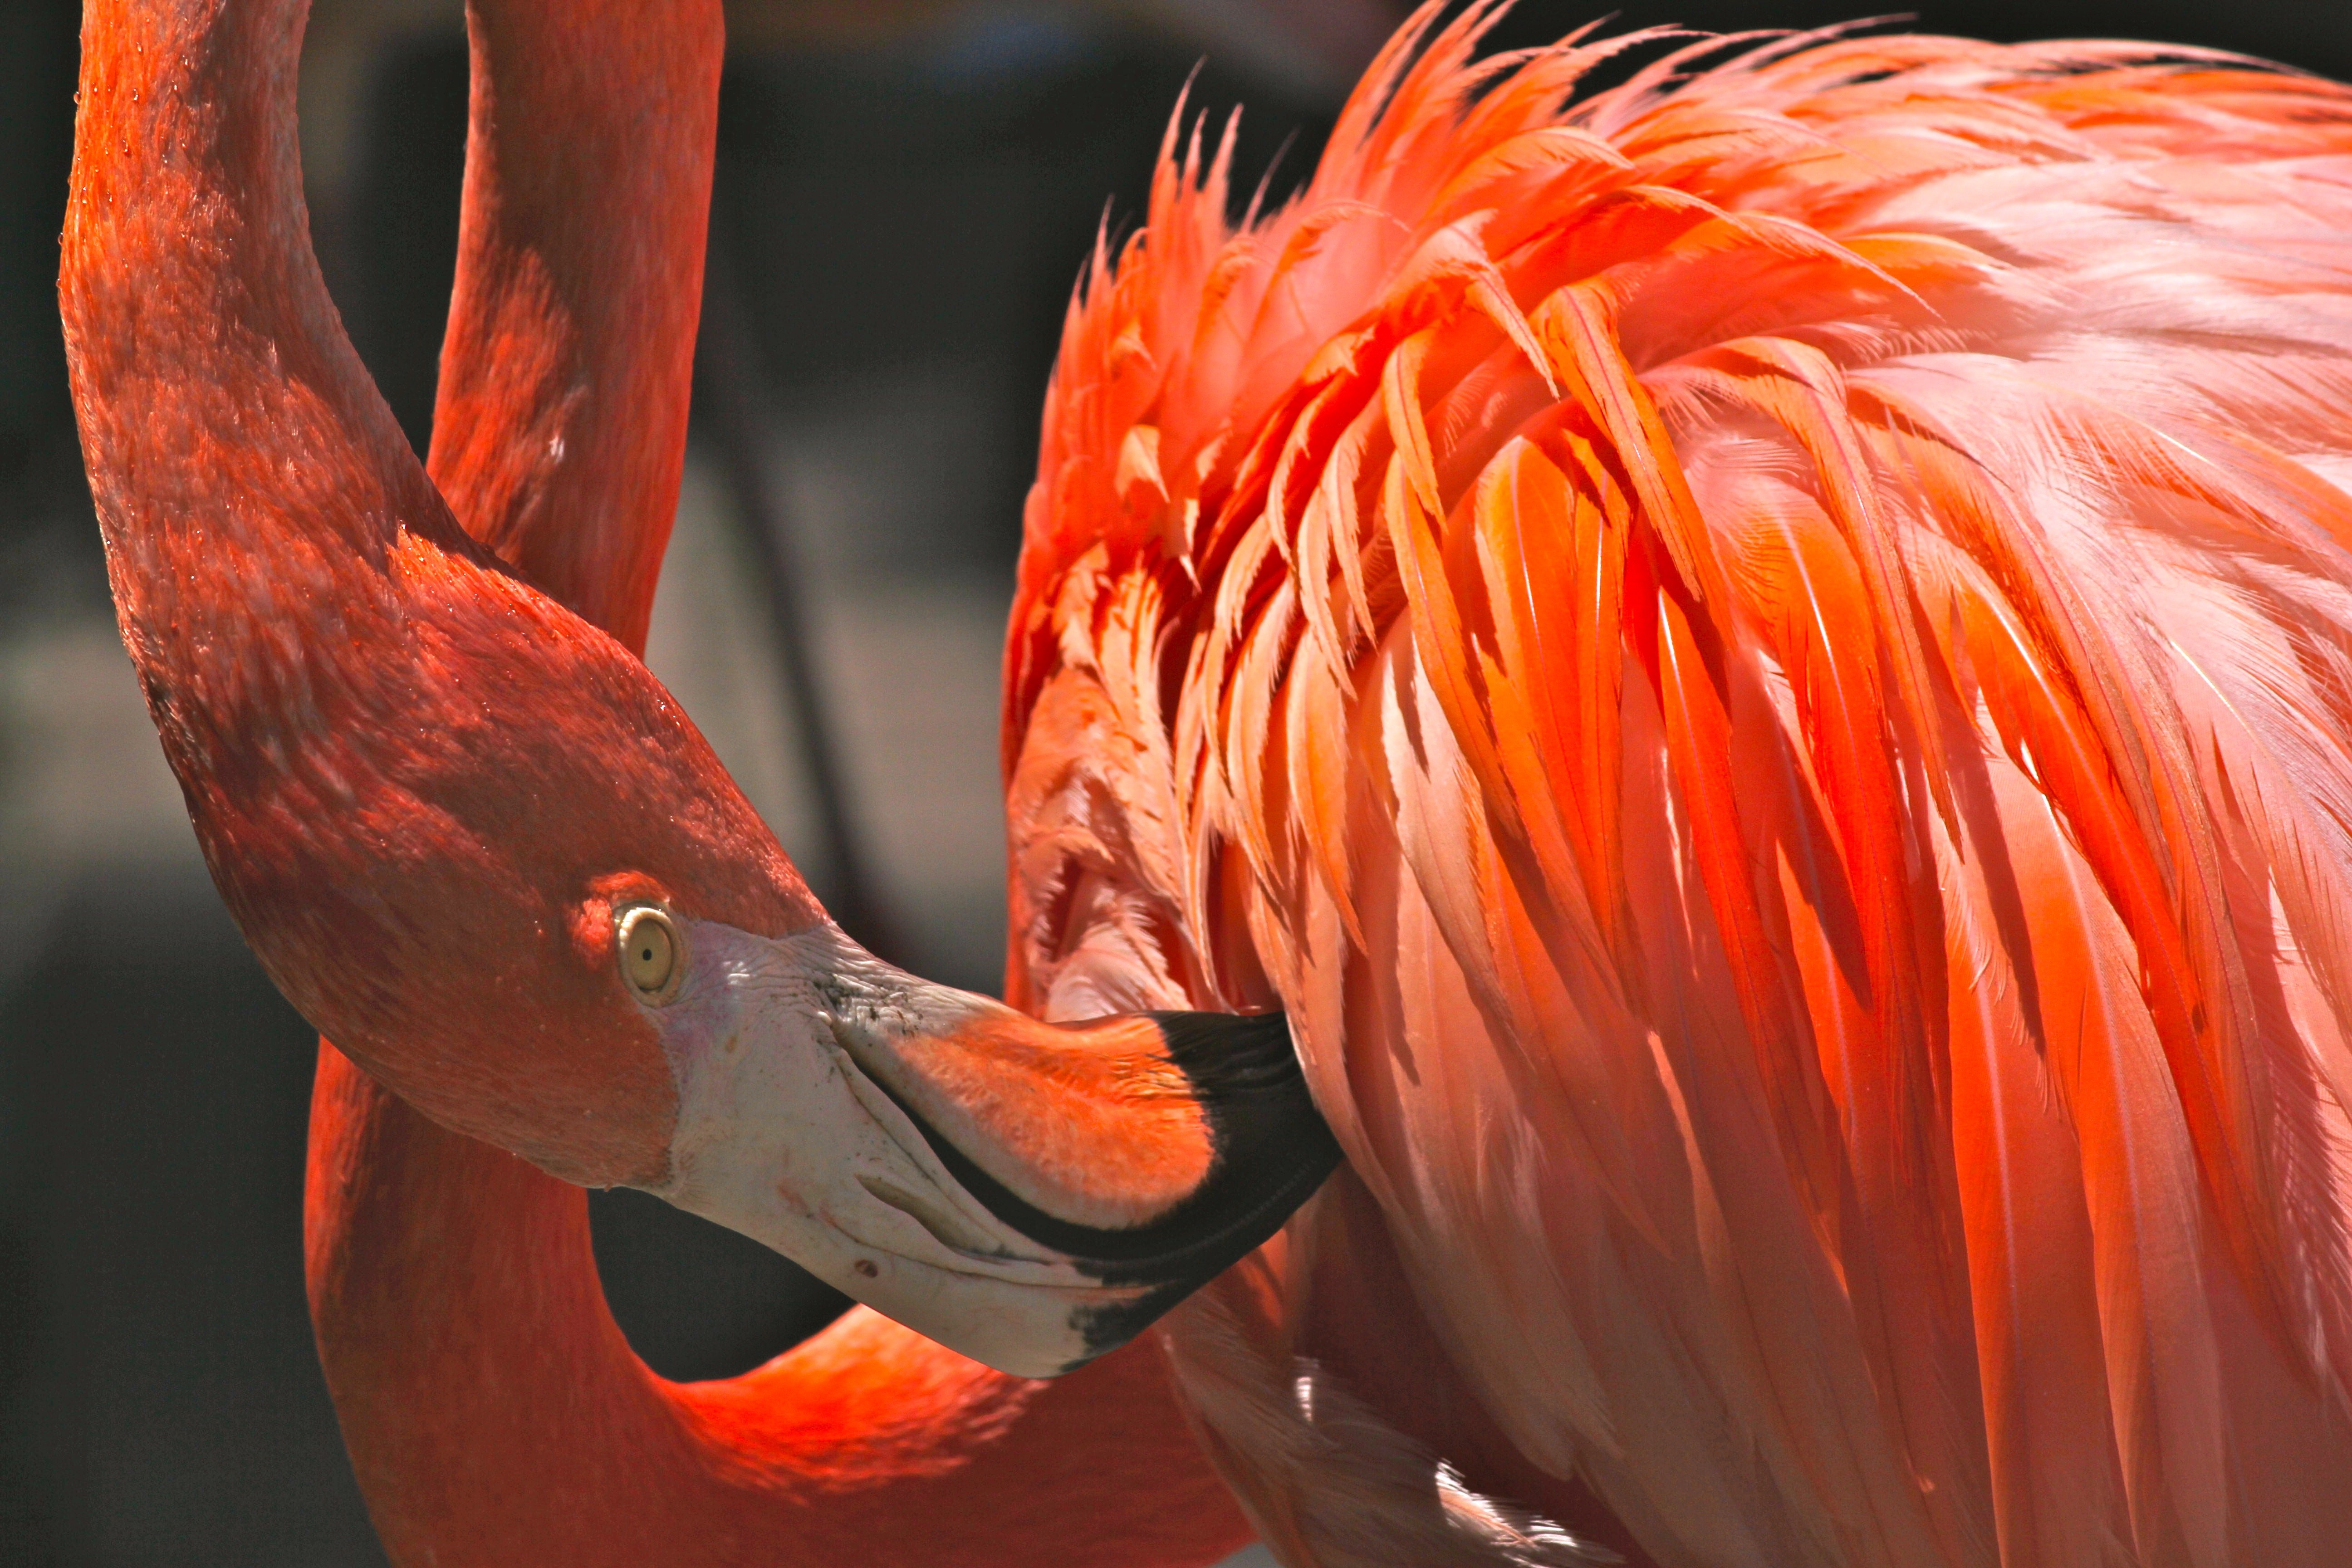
493	1411
559	434
231	435
495	1415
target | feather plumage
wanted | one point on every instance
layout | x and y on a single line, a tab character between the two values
1759	661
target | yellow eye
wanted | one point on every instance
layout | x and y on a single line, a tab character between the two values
652	952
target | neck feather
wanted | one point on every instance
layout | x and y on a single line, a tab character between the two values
407	767
495	1414
560	429
293	589
453	1287
231	432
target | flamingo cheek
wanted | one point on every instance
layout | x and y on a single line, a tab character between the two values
780	1136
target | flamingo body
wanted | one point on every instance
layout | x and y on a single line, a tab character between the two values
1760	662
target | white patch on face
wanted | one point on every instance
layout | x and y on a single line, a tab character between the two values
782	1137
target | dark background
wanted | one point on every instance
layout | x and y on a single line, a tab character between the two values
905	192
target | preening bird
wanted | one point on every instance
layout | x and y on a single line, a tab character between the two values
1759	662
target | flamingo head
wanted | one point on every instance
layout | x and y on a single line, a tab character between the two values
494	861
471	837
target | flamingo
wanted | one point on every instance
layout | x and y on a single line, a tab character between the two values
1756	663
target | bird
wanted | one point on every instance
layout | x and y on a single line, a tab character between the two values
282	563
1753	659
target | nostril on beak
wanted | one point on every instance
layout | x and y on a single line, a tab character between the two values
946	1227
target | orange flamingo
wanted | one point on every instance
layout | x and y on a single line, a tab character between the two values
493	1412
1759	662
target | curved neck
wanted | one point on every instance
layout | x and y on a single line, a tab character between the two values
203	345
232	437
495	1415
268	530
493	1411
559	433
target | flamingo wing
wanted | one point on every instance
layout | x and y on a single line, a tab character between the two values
1760	663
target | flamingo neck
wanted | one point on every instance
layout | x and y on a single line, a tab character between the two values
559	433
409	771
245	470
279	560
495	1414
262	515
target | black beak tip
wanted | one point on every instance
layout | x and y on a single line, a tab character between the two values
1272	1150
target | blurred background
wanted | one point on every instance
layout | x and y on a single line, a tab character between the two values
905	191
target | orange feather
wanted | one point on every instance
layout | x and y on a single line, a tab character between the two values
1805	837
1757	660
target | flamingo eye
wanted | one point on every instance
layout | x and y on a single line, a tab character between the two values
652	952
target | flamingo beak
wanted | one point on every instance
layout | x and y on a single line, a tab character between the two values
1030	1194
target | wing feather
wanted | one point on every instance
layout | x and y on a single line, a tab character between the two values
1760	663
